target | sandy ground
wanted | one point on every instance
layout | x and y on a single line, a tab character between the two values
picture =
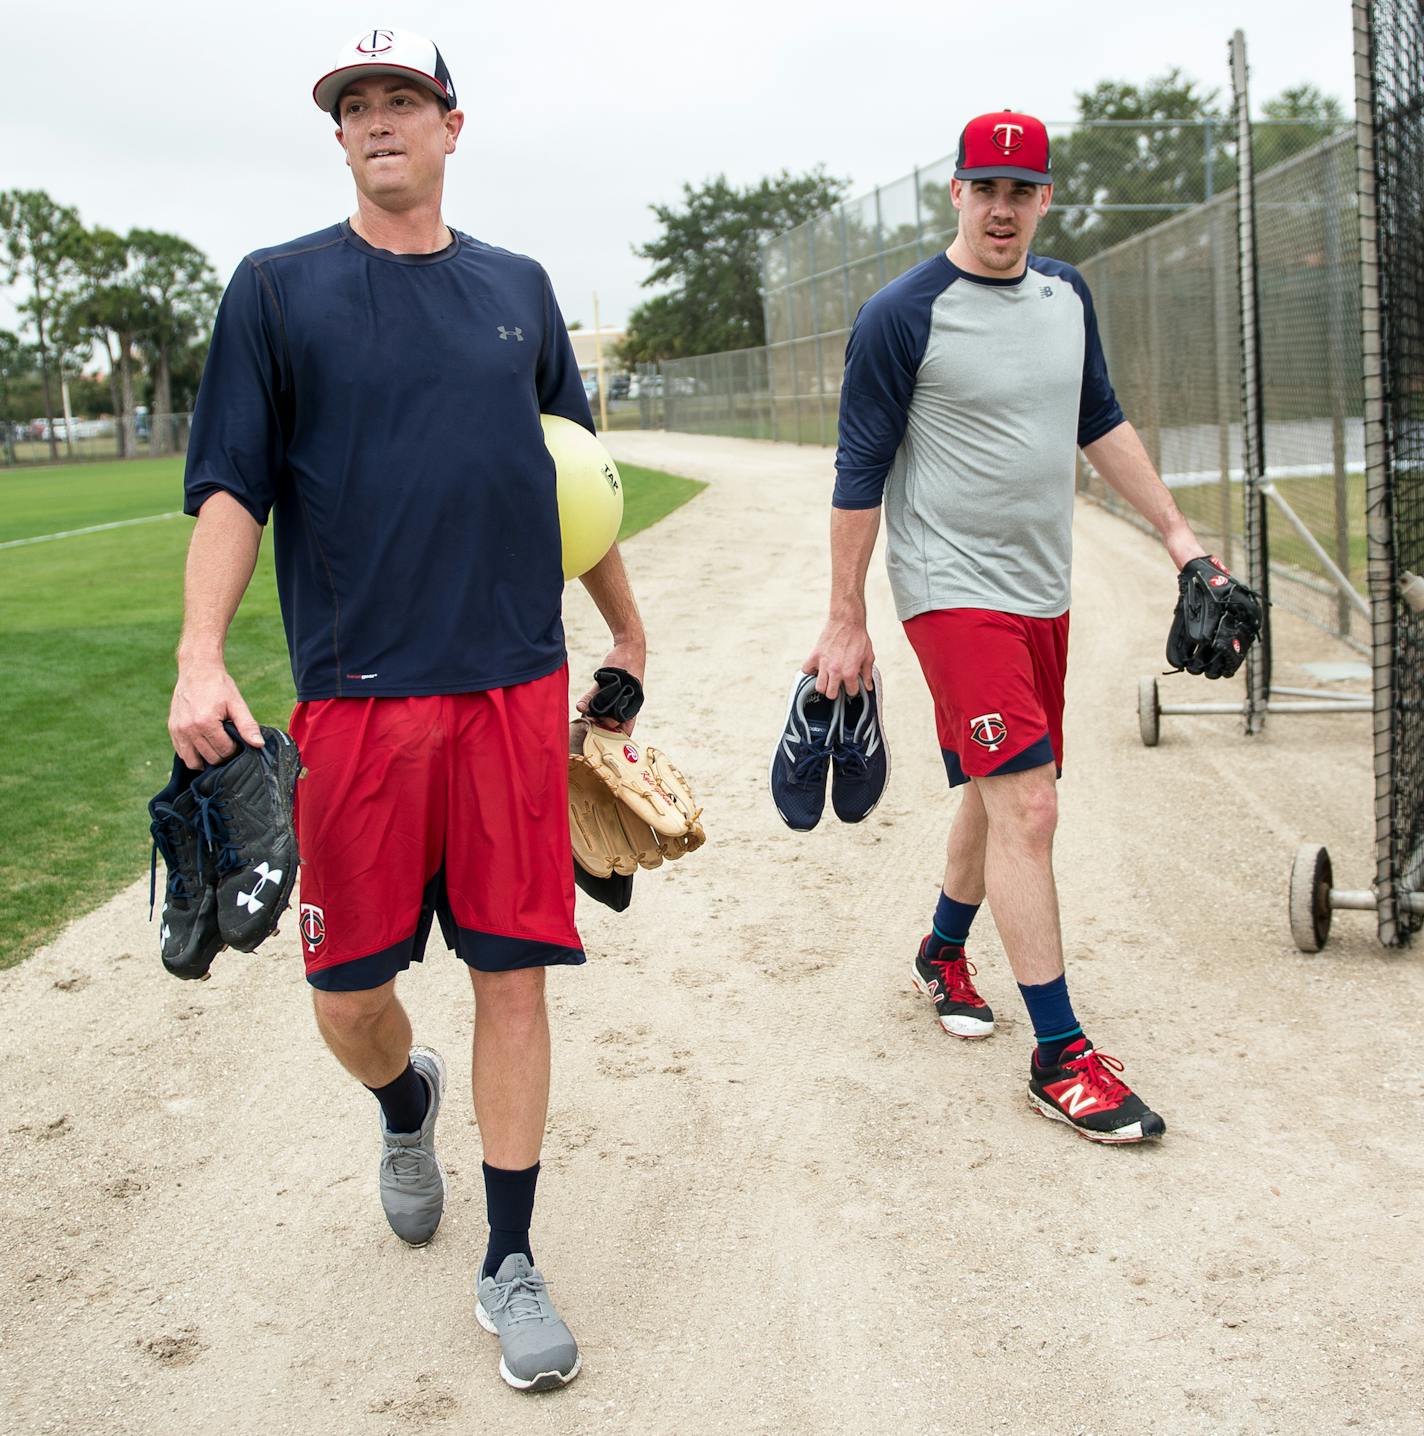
775	1198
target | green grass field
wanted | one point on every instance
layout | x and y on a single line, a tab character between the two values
88	625
1313	499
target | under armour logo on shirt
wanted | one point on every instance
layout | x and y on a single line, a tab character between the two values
511	333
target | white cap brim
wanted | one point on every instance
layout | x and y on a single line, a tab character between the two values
328	90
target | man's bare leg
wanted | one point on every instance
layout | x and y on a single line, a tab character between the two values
368	1032
511	1065
1068	1082
1022	813
968	834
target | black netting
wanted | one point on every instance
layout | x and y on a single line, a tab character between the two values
1398	78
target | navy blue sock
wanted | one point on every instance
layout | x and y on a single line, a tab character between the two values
404	1102
509	1202
1051	1013
952	920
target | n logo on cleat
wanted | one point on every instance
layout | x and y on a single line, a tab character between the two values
1075	1099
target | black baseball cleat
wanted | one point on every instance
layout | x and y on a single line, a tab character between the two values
188	936
1085	1091
945	975
860	754
803	751
245	816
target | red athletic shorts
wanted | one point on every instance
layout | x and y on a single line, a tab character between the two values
997	682
455	806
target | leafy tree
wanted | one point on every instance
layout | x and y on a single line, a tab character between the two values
111	310
41	239
1161	160
1303	116
18	362
707	255
181	291
1165	162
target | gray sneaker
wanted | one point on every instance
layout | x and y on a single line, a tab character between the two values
537	1351
412	1179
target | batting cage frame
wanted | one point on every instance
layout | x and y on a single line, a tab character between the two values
1389	132
1262	695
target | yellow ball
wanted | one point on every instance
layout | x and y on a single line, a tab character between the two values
590	493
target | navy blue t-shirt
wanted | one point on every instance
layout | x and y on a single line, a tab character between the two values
385	409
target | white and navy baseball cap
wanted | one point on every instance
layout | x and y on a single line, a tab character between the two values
384	52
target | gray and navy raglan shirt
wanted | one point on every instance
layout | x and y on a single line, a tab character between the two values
962	403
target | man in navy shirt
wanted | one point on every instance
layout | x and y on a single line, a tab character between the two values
377	387
969	380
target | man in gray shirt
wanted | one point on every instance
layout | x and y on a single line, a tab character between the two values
969	381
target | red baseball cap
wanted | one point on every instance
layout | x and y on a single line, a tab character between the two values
1004	145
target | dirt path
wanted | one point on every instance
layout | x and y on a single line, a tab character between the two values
775	1198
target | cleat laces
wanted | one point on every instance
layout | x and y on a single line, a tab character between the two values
164	841
1098	1072
215	822
956	973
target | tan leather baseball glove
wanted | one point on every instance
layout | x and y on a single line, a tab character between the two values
629	805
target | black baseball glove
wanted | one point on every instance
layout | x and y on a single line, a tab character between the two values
1217	619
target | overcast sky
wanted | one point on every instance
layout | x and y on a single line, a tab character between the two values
198	118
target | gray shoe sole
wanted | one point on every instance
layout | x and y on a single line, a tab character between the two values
545	1380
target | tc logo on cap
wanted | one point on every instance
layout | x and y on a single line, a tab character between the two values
1008	137
376	43
1004	144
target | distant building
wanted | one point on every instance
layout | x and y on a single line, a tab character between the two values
586	355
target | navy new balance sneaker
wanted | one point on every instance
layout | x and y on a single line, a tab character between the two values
798	764
860	755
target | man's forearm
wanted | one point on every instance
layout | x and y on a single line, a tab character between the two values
608	587
1121	459
221	558
853	534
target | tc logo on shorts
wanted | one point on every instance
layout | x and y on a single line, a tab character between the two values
376	43
988	730
1008	137
313	922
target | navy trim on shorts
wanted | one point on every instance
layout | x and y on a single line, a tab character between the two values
484	951
364	973
1034	756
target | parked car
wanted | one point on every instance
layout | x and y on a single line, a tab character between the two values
590	388
618	386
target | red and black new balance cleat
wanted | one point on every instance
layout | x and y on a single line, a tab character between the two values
946	976
1085	1091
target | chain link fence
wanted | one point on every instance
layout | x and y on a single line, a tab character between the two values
1168	309
1164	279
80	440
